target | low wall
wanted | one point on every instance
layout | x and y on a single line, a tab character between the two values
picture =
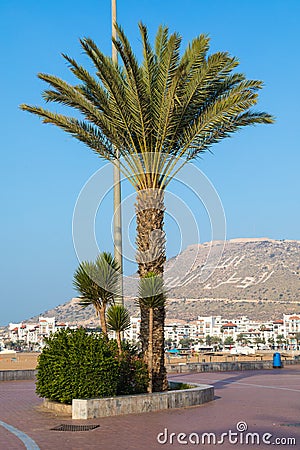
225	366
57	407
11	375
29	374
135	404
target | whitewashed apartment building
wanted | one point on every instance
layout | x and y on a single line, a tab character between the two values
176	330
28	333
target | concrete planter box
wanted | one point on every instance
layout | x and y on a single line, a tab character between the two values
58	408
135	404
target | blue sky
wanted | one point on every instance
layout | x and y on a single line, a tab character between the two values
256	172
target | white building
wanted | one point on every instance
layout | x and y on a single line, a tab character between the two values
176	330
242	330
30	334
209	326
133	333
291	329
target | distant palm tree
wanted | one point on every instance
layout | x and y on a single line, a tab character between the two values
229	340
280	339
157	115
297	338
98	283
240	337
118	320
152	295
208	339
216	341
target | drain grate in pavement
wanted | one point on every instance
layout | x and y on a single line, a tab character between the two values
69	427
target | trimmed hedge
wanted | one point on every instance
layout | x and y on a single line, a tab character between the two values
74	364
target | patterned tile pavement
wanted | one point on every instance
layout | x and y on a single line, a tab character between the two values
264	401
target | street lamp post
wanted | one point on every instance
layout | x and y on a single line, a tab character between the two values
117	183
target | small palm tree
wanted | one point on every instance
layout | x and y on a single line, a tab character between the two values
98	284
297	337
229	340
280	339
240	337
152	295
118	320
208	339
216	341
246	341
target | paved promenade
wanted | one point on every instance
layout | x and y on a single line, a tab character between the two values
267	403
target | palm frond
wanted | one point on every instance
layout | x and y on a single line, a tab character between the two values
83	131
137	98
152	293
83	282
98	282
91	88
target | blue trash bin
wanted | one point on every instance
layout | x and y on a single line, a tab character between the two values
277	364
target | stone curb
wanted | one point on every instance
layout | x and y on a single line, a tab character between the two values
136	404
133	404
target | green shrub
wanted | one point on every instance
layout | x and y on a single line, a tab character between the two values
180	387
74	364
133	374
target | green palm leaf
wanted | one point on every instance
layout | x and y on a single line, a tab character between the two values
98	283
118	318
152	293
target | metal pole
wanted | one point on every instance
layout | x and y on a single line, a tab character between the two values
117	184
113	32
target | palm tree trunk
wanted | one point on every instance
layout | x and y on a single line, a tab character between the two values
118	337
151	257
103	319
150	351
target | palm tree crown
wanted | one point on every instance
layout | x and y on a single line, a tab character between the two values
118	320
166	108
152	293
98	284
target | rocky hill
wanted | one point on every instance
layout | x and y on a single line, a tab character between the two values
255	277
260	269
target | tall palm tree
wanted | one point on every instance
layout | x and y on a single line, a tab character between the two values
118	320
98	282
159	115
152	296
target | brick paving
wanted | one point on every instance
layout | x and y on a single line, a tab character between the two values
268	401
